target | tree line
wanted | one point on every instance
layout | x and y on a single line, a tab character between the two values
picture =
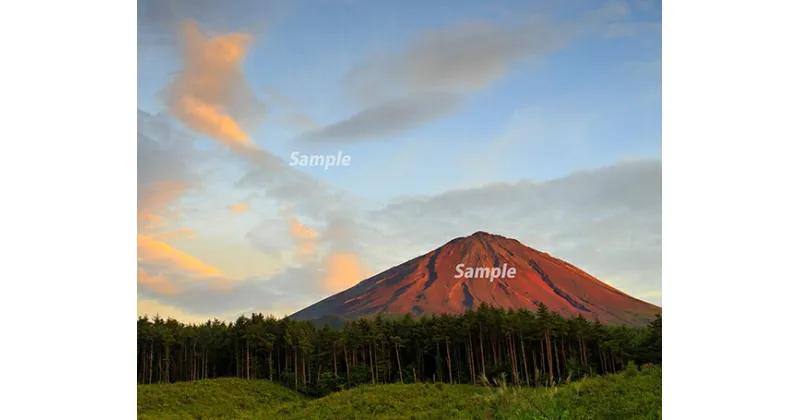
534	348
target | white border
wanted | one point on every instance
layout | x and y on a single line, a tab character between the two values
68	164
730	208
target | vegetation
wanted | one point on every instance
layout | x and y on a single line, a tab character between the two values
529	348
212	398
631	394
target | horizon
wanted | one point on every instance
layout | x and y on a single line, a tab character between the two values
534	121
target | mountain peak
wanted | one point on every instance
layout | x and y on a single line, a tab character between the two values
484	235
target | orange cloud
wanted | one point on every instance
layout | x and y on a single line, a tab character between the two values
151	250
304	237
211	85
181	233
153	202
237	208
210	120
159	284
343	270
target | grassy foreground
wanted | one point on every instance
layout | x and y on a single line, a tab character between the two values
224	398
632	394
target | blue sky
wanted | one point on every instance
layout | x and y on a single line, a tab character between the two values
530	91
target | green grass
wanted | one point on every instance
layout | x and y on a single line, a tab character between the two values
212	399
629	395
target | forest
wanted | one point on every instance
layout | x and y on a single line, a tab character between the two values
530	348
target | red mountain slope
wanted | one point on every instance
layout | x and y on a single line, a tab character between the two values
428	284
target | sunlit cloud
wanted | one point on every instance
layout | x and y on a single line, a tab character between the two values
210	93
151	250
158	284
343	270
238	208
305	239
154	201
174	234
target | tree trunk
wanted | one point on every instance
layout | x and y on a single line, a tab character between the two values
525	363
483	357
583	352
295	368
449	367
346	364
371	372
303	366
602	359
166	365
558	363
549	356
494	349
377	363
150	375
335	369
541	355
399	366
471	356
247	349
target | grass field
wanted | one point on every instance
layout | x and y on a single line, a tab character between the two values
632	394
224	398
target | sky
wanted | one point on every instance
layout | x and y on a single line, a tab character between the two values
535	120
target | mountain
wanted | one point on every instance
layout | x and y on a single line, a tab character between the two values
437	283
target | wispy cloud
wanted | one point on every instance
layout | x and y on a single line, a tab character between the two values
210	93
388	118
606	221
403	90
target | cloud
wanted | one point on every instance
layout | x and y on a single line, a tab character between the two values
151	251
343	270
305	238
174	234
154	200
302	120
388	118
210	93
211	96
402	90
288	290
328	260
156	18
467	57
164	172
606	221
237	208
159	284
